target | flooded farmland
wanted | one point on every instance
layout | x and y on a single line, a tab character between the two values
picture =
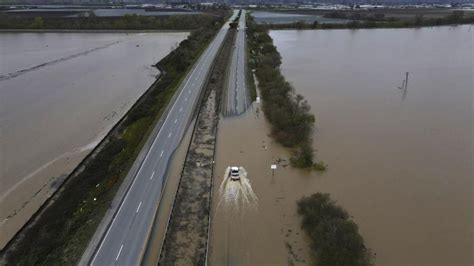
400	160
266	17
60	93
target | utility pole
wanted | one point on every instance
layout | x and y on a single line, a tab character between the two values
406	80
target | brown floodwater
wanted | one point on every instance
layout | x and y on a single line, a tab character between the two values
400	161
60	93
254	219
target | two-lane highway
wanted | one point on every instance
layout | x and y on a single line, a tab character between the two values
124	240
237	98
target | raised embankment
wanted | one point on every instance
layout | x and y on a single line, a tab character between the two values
186	237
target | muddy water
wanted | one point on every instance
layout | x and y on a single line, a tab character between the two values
399	161
59	95
254	219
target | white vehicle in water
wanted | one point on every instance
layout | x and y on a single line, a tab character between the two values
234	173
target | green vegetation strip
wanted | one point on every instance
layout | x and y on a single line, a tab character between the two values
335	238
251	65
378	20
60	234
288	113
127	22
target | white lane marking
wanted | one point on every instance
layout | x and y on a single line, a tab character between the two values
180	109
151	177
162	153
120	251
176	120
169	135
138	208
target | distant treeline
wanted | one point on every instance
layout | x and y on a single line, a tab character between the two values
61	233
289	114
360	20
335	237
355	15
127	22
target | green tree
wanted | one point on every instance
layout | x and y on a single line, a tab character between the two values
303	158
38	23
300	24
335	238
456	16
419	19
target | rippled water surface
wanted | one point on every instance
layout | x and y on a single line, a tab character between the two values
399	160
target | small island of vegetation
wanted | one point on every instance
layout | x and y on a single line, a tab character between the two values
335	238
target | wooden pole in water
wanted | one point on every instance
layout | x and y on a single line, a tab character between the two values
406	80
403	85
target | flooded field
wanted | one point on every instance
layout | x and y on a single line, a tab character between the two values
60	93
262	17
400	161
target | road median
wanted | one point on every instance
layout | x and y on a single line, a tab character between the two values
185	242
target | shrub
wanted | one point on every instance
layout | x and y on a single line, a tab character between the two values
335	239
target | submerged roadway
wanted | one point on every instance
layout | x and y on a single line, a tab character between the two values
124	240
237	98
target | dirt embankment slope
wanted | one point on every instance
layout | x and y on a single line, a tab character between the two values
187	234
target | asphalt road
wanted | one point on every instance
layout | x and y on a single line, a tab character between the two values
237	97
124	240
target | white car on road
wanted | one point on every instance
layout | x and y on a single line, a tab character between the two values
234	173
